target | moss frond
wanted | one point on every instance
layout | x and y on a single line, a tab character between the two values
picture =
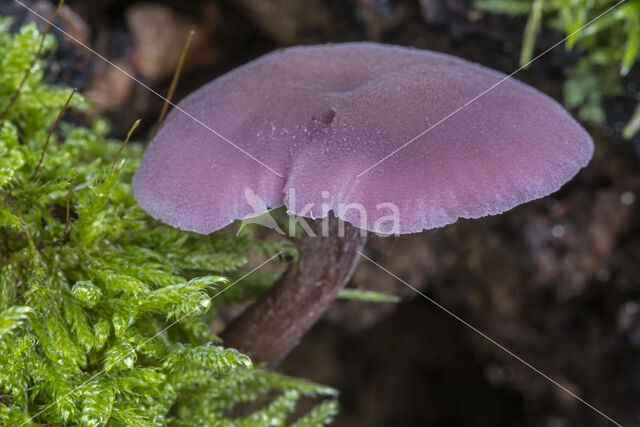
105	319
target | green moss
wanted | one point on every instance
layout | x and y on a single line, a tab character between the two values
608	43
109	323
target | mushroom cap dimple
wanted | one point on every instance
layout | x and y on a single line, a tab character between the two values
321	115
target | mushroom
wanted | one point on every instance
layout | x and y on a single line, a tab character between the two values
389	139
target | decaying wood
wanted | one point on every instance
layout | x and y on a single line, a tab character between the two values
270	328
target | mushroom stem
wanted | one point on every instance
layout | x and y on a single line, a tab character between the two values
270	328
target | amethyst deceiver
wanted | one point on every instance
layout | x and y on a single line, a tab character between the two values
317	117
321	115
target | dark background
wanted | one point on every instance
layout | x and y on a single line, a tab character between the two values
555	281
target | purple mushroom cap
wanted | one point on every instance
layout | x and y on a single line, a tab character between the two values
301	125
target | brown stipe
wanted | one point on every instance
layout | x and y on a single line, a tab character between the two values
270	328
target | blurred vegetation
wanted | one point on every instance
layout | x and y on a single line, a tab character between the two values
368	296
105	313
608	47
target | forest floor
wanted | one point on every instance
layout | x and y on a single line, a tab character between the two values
556	281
